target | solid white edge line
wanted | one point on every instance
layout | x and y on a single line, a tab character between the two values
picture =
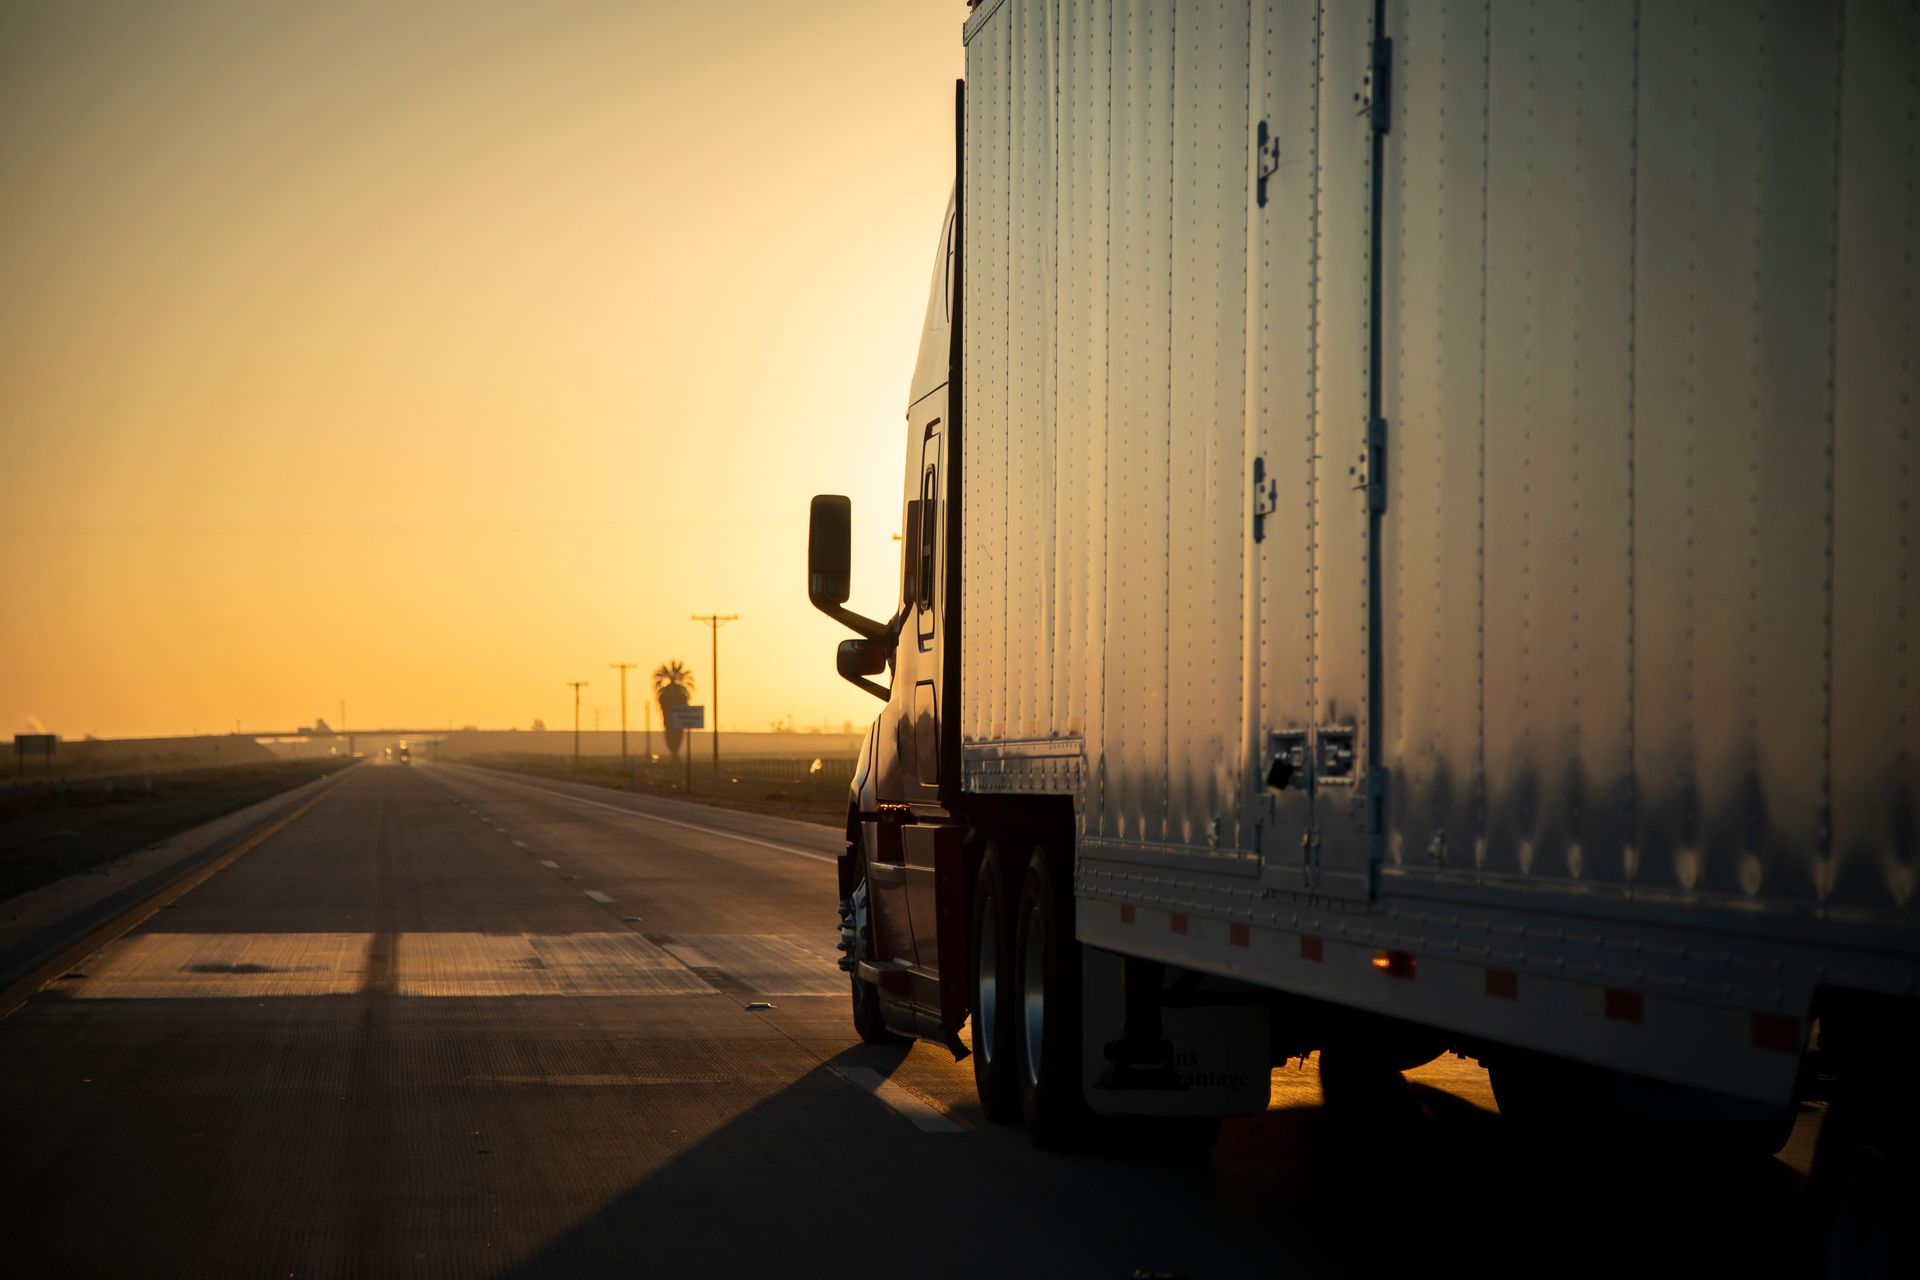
674	822
925	1116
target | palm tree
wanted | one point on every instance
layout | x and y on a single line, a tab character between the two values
673	687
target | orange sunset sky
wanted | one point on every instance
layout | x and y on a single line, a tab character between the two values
428	355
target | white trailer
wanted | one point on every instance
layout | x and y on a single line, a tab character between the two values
1410	544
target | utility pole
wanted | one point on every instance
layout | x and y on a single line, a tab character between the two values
715	621
623	668
578	685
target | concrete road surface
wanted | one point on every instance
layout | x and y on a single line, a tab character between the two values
451	1022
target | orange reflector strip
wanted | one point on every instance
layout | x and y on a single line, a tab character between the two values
1503	984
1179	922
1626	1006
1310	948
1126	915
1238	935
1395	964
1771	1031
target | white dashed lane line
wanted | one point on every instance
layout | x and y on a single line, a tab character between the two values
519	844
598	896
551	866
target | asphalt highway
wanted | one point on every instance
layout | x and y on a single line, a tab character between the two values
452	1022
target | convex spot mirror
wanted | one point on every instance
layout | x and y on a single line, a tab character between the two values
861	658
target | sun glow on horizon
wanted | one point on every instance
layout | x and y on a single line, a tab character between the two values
428	357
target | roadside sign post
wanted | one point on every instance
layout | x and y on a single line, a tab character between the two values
683	719
34	744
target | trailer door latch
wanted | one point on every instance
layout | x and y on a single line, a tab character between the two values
1334	761
1288	750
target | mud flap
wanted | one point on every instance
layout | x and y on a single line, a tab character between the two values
1220	1053
951	919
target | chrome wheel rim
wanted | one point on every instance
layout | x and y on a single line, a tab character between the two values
1033	995
989	1003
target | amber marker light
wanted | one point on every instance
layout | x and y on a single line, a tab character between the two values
1395	964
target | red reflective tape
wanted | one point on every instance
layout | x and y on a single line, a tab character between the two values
1126	915
1311	948
1503	984
1626	1006
1772	1031
1179	922
1238	935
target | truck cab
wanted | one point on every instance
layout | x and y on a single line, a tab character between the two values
901	827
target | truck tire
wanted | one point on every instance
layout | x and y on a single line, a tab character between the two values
990	991
1047	962
1866	1178
867	1019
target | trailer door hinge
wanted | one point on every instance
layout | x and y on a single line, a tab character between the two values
1377	465
1380	96
1377	790
1266	162
1265	492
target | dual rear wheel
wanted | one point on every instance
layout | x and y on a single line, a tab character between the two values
1025	989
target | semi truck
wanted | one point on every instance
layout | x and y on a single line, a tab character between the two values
1410	545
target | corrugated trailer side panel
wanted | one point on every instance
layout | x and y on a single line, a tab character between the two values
1435	230
1124	135
1876	468
1723	505
1688	457
991	291
1558	444
1773	838
1207	426
1133	755
1030	606
1080	430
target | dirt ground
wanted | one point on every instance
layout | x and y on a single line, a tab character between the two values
56	830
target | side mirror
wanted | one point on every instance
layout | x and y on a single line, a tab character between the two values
830	551
830	564
858	659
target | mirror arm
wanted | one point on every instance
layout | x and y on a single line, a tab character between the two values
879	691
859	624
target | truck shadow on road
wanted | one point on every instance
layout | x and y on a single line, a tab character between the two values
820	1178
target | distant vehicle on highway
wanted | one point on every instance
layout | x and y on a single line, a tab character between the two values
1384	588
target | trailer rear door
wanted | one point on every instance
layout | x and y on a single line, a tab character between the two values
1313	215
